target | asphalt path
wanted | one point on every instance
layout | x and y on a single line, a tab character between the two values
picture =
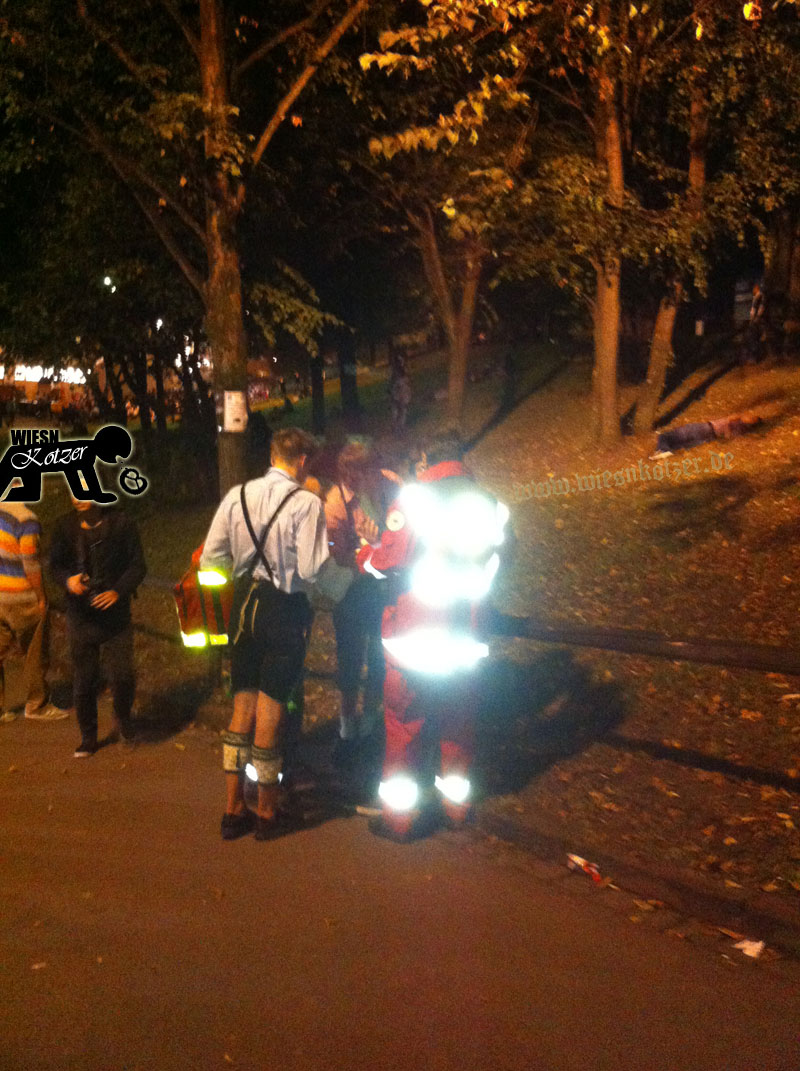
133	938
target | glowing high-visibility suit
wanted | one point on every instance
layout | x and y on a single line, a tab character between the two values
438	556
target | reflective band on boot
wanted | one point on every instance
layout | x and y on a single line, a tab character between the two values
235	751
454	787
267	762
399	793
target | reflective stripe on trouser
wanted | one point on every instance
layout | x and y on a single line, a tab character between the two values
405	715
267	762
236	749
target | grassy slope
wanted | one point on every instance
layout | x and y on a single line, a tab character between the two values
699	770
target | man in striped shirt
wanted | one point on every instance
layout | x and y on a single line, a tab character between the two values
23	610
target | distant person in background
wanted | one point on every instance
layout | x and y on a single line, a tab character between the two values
287	401
756	328
23	611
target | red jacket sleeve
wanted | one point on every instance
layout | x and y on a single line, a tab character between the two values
395	549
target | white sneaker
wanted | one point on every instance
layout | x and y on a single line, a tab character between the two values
9	715
660	454
48	713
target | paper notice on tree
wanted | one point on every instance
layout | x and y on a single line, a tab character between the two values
235	411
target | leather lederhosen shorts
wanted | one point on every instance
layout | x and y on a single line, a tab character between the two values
272	628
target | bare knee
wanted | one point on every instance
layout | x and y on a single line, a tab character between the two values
244	712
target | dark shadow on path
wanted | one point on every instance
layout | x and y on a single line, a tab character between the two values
529	717
162	715
695	394
533	715
700	507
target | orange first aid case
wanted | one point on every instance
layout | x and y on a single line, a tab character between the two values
203	610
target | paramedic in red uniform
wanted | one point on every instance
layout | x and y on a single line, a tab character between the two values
438	556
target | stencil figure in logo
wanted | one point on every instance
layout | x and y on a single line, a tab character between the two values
75	458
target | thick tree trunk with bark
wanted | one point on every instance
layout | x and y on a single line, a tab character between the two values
223	290
794	280
159	404
101	398
459	349
205	402
317	395
791	324
115	386
139	369
456	323
348	387
190	406
658	363
606	350
664	327
607	311
779	267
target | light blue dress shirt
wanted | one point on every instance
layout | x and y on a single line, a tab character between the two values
297	545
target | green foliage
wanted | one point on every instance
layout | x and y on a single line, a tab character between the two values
290	304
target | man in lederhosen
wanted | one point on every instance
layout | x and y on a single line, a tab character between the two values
271	534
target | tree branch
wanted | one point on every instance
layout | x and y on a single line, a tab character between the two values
273	42
192	38
320	54
183	215
97	140
124	57
168	241
434	270
125	172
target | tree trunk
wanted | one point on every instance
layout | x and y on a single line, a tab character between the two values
114	385
606	350
134	373
346	356
190	407
142	399
459	349
205	402
317	396
224	321
160	405
791	324
658	364
664	327
607	310
456	324
794	270
104	406
779	266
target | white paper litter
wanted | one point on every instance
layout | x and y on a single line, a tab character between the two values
751	948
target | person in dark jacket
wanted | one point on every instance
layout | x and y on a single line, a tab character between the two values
96	556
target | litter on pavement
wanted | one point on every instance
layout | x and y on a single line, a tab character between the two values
576	862
751	948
